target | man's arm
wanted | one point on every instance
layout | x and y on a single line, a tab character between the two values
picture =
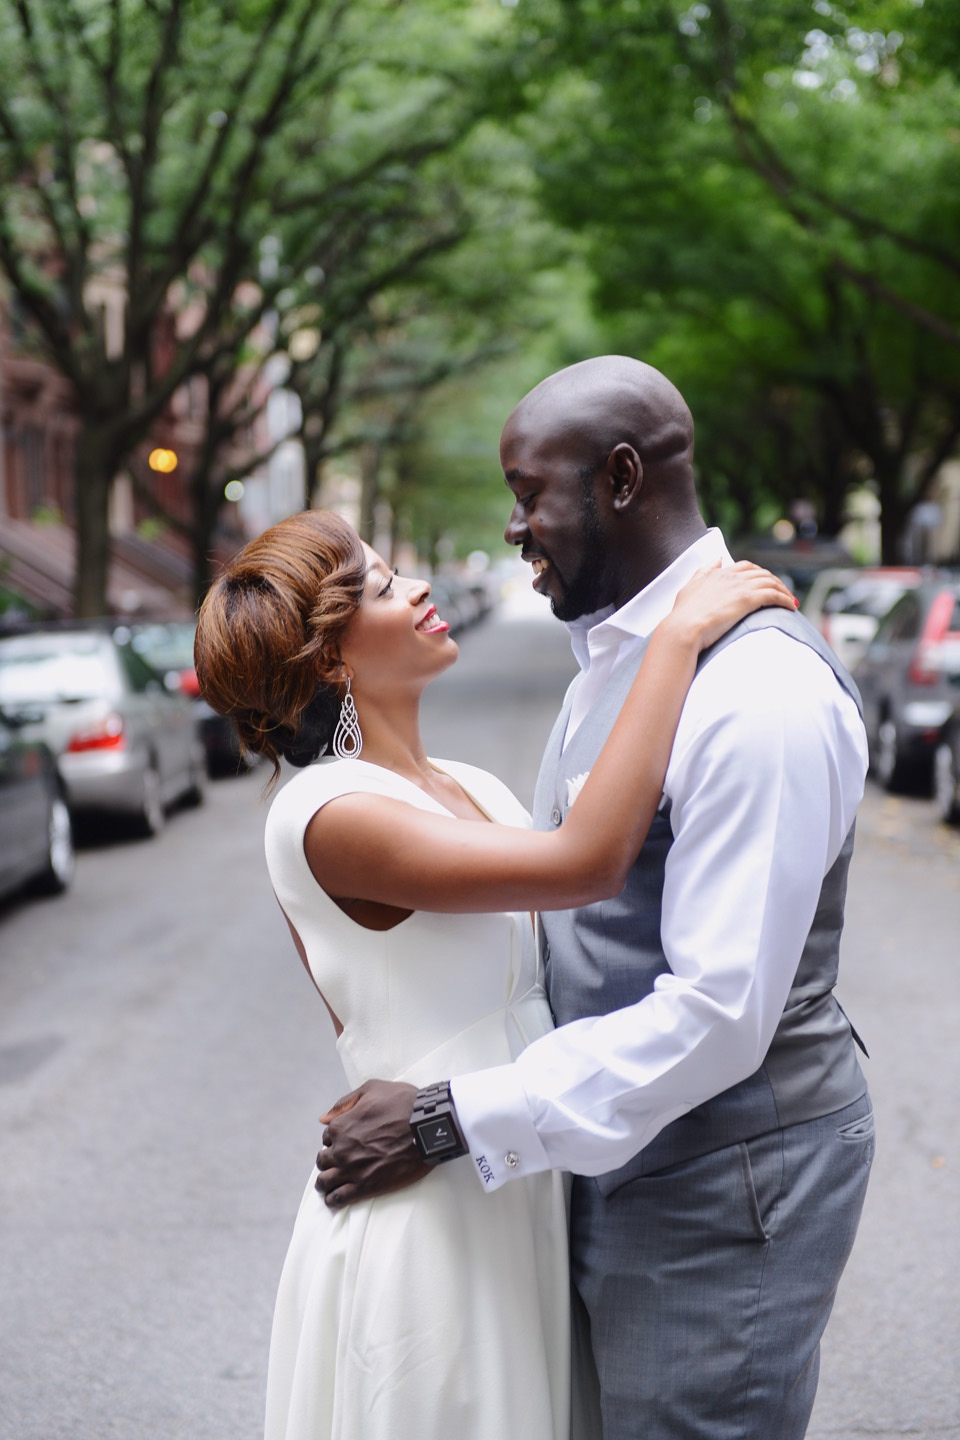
765	778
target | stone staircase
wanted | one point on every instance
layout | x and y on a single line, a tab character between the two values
146	580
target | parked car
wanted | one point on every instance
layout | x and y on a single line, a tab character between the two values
455	604
125	742
798	562
462	601
846	605
946	767
36	837
168	648
909	678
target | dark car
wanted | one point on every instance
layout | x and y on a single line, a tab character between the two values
36	841
946	766
168	647
125	742
909	678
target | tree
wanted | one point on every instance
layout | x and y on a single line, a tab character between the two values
515	312
732	165
446	282
146	149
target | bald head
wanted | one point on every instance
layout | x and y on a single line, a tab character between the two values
611	400
599	457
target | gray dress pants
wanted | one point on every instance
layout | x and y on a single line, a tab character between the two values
708	1284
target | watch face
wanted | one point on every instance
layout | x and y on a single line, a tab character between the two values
437	1136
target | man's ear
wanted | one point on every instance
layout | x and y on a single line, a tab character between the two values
625	476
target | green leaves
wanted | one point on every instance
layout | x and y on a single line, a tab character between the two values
174	172
776	186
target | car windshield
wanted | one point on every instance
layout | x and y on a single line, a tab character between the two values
865	597
52	667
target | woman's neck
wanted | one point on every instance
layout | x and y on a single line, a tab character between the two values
391	738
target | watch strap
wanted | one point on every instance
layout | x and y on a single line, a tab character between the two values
436	1130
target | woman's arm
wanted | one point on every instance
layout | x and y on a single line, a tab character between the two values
366	847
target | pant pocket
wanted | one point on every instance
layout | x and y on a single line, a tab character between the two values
860	1132
761	1163
861	1129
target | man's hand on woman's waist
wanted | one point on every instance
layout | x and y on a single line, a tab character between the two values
368	1145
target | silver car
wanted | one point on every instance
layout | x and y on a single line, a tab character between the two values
909	679
125	743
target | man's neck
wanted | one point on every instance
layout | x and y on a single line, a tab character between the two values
646	562
641	612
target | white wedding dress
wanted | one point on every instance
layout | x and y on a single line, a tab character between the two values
440	1312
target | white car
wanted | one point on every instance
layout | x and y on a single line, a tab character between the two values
125	742
847	605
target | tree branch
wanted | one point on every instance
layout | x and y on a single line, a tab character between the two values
922	317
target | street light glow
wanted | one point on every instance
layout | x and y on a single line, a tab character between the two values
163	461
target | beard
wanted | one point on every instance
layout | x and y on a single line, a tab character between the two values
585	591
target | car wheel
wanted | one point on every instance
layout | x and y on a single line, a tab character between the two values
57	873
946	781
151	816
887	764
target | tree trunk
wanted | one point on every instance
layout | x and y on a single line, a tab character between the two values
314	472
834	472
95	467
893	510
370	459
833	508
203	525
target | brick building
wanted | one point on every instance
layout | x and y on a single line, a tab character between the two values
151	569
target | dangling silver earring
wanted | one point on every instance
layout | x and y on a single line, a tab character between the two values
347	740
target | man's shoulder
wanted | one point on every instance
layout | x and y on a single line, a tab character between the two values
783	637
764	692
772	663
772	621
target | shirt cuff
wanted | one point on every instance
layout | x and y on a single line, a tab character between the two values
495	1120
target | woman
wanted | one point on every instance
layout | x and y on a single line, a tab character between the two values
438	1311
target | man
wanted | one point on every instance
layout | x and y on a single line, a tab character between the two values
702	1085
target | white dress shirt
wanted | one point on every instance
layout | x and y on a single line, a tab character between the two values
766	774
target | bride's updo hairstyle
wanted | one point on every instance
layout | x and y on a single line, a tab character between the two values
268	639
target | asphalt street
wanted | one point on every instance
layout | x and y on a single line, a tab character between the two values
163	1059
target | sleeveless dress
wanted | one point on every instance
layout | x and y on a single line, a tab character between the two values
440	1312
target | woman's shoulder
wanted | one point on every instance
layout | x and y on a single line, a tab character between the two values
309	789
330	776
489	792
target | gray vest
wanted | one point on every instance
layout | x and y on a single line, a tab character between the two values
605	956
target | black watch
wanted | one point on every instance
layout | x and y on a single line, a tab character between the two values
436	1133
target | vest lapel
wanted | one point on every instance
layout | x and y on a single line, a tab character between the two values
543	796
594	728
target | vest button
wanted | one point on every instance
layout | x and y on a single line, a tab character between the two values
556	817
